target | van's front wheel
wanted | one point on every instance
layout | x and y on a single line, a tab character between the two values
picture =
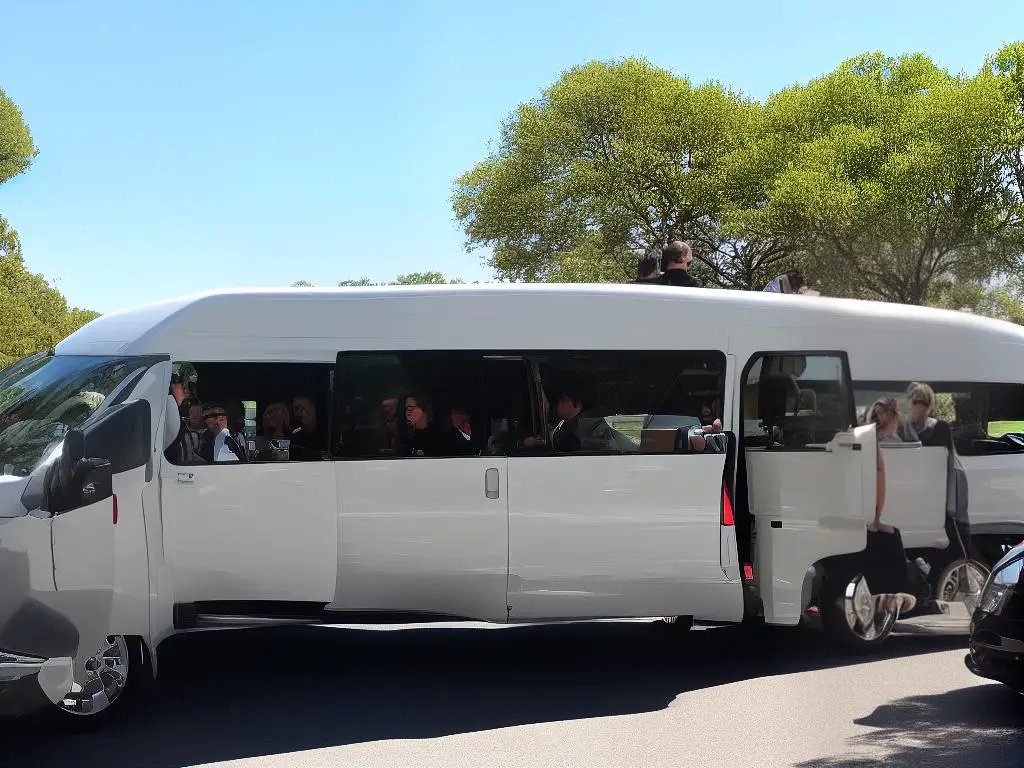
109	677
851	615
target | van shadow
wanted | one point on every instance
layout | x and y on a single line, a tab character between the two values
231	695
981	725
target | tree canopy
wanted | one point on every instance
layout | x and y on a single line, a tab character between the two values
16	147
412	278
33	314
886	178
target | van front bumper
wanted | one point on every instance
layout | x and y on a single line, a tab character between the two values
26	680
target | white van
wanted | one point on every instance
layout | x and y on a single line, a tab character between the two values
115	535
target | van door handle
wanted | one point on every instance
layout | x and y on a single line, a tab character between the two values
491	483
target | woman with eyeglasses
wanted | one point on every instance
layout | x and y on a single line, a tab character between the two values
922	406
885	415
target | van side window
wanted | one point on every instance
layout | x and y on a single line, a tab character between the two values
272	412
795	400
629	402
423	404
985	418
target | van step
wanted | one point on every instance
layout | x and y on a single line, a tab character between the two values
245	613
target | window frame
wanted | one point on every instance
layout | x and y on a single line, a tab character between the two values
943	387
851	406
534	389
309	365
547	450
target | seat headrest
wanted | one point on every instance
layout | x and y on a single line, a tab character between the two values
773	397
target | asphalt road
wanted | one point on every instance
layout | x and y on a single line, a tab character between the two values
603	694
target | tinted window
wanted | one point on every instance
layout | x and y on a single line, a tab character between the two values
274	411
629	402
795	400
979	414
428	404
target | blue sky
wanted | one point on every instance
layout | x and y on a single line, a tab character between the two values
195	145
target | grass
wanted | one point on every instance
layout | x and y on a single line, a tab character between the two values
631	426
1000	428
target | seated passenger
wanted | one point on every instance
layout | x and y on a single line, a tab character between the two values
217	444
306	439
274	442
190	437
576	432
307	433
428	438
235	411
462	424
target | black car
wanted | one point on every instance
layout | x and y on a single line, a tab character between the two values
997	627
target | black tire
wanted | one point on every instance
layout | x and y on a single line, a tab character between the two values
139	679
832	606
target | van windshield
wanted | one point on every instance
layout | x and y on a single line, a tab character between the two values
43	396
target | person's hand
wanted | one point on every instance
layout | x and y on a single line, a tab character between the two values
697	441
883	527
533	442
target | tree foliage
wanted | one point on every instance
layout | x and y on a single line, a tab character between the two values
16	147
412	278
33	314
887	178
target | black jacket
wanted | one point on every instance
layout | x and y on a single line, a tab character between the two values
680	278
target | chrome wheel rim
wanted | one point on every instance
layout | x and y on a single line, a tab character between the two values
964	580
103	680
862	613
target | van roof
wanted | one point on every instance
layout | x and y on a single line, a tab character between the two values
307	323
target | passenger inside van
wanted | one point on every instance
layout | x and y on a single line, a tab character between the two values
578	432
217	443
307	434
428	437
273	442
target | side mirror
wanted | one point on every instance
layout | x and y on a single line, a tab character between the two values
93	480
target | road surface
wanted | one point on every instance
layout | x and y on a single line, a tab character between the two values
602	694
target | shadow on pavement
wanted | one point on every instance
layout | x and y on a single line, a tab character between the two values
230	695
978	726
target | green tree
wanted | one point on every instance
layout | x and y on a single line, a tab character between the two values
611	162
33	314
413	278
892	176
16	147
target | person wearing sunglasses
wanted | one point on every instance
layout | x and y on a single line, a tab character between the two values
922	405
885	415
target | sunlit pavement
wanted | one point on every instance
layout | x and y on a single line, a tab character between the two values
597	694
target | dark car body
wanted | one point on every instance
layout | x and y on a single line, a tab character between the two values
997	626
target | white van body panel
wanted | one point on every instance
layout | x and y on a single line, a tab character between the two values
915	493
633	535
423	536
251	531
807	506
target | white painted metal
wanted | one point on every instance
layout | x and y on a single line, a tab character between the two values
634	535
915	493
821	503
422	535
251	531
